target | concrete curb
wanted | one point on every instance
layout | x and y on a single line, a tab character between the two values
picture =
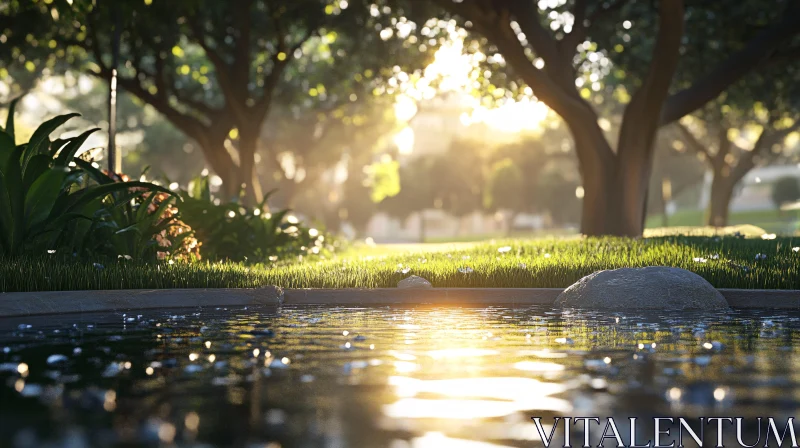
17	304
51	302
521	296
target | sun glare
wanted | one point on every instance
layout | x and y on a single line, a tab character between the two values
452	69
405	140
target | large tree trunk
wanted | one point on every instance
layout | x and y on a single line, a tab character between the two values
213	147
721	194
246	174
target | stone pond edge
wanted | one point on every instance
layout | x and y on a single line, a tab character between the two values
16	304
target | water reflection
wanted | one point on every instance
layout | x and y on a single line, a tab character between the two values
378	377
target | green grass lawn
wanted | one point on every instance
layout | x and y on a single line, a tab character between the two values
503	263
770	220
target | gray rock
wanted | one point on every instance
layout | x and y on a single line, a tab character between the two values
653	287
414	282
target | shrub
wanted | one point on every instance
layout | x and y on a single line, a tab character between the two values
229	231
784	190
140	223
48	197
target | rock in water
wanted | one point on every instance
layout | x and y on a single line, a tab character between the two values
653	287
414	282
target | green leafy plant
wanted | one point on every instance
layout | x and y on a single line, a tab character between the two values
45	193
140	223
229	231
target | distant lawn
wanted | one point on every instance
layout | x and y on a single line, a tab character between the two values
770	220
504	263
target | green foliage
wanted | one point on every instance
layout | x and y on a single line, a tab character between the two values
415	192
785	190
47	201
547	263
230	232
384	179
137	223
505	187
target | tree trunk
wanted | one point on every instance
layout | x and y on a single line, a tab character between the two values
615	199
246	174
721	194
422	226
221	163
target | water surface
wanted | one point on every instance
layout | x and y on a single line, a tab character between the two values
396	377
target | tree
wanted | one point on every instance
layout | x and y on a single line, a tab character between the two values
675	171
764	108
414	195
504	191
145	139
785	190
546	49
213	68
457	178
302	142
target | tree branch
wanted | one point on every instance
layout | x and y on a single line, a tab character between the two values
272	79
579	29
242	57
640	119
600	12
737	65
689	138
230	91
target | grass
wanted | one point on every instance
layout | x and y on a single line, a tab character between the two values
502	263
770	220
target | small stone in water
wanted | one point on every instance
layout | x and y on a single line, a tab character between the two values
306	378
112	370
55	359
31	390
193	368
279	364
266	332
702	360
360	338
77	351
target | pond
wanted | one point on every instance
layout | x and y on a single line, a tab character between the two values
395	377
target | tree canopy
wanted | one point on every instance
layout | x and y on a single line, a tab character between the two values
215	69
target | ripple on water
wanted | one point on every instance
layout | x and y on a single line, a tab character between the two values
378	377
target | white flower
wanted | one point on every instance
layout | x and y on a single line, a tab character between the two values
768	236
547	255
466	270
700	260
504	249
51	251
796	249
715	257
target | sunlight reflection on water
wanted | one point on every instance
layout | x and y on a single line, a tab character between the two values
378	377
